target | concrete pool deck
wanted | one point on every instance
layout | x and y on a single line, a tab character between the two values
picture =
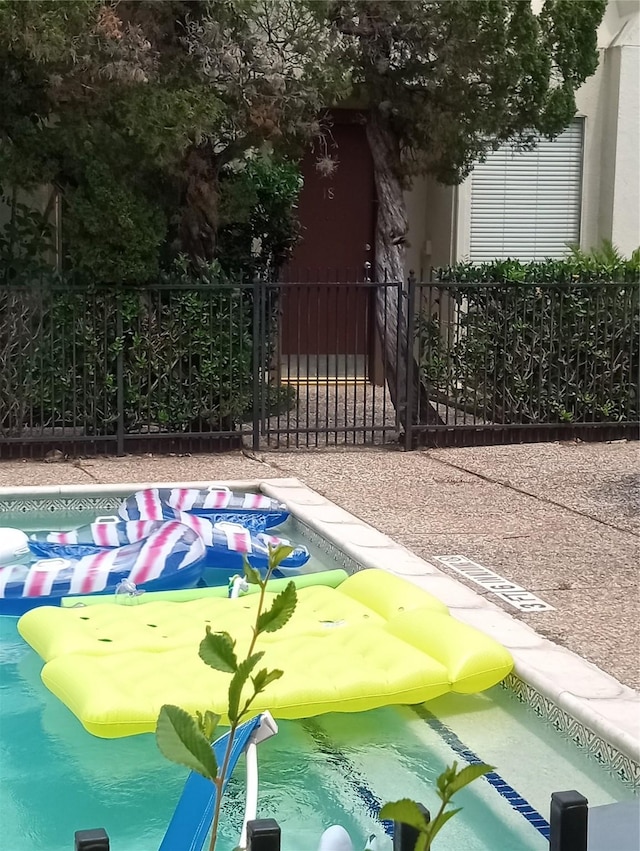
561	520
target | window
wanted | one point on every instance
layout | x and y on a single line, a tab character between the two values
526	204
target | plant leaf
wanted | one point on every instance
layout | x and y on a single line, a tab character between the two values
237	684
278	554
251	574
467	775
208	724
282	608
263	678
405	811
439	822
445	779
217	651
180	740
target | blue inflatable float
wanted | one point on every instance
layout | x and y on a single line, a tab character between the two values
165	556
225	543
254	510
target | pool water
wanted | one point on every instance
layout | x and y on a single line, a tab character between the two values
55	778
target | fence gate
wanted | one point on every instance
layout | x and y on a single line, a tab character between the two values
322	385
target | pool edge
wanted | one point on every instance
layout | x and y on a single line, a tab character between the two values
580	700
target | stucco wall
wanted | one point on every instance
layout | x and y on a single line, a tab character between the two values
610	104
431	214
625	213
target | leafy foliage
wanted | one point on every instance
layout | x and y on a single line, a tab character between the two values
182	741
132	110
534	343
448	784
181	737
113	233
280	612
217	651
452	80
185	348
26	241
258	224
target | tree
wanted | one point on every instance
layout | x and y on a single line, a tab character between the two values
446	81
179	89
102	103
134	108
273	67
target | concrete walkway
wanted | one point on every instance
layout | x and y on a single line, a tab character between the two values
561	520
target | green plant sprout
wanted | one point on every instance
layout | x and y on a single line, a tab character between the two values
448	784
187	740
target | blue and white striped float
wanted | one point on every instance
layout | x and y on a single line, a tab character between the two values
254	510
229	543
225	543
169	556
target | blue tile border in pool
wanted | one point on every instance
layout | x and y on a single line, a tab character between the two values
373	803
612	760
23	504
514	799
339	556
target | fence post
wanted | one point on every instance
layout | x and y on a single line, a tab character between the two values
91	840
257	360
568	821
263	835
119	373
411	315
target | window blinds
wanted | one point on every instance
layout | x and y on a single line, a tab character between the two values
526	204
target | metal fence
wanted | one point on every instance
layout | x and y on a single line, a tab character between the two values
527	361
183	368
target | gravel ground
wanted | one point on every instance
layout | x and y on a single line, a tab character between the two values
333	409
559	519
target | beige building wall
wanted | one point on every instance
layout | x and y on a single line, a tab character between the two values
609	103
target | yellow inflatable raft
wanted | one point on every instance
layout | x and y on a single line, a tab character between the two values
373	640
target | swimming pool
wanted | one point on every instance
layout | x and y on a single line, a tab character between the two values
56	778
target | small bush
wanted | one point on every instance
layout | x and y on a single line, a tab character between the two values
182	348
535	343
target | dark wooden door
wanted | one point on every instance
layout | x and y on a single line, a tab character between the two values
337	218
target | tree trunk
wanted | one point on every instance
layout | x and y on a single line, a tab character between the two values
199	215
391	318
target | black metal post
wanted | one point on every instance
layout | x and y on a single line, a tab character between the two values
568	821
119	373
91	840
263	835
257	360
404	836
411	316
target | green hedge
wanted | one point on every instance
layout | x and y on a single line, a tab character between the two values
534	343
186	356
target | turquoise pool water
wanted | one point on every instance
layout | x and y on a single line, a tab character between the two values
56	778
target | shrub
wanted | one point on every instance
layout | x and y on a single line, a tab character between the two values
182	348
112	232
534	343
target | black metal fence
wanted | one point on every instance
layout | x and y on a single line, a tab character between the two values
527	361
189	367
